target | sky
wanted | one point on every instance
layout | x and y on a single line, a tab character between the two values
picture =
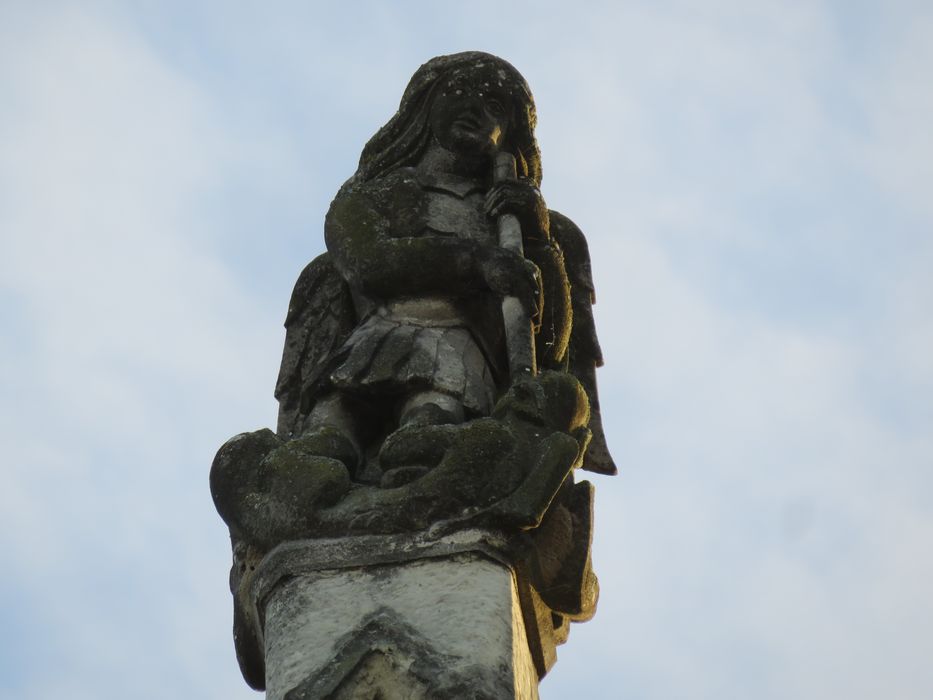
754	179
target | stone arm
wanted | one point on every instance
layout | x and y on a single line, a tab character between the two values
372	232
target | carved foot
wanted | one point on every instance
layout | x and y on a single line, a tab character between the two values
331	442
422	446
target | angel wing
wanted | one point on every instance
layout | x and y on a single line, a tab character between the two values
320	317
584	354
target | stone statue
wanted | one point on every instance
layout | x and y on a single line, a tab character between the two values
439	362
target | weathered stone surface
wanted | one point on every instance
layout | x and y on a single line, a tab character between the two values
420	618
438	378
504	469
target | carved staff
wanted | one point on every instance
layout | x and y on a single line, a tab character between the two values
519	333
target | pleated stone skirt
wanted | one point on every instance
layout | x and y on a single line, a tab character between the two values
388	355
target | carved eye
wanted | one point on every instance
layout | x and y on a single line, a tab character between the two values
495	107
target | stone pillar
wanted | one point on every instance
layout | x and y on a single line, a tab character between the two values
398	616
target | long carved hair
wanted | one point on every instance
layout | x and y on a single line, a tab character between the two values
406	136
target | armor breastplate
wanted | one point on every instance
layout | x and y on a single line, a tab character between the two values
458	212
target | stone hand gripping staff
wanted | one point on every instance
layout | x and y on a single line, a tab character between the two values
519	330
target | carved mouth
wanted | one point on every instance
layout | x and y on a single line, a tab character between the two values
468	122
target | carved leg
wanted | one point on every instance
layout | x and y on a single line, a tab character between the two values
331	430
427	423
431	408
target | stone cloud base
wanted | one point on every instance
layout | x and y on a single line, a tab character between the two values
397	617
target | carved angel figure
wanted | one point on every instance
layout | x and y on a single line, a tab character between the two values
399	325
439	363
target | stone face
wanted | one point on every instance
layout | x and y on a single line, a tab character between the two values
438	378
444	620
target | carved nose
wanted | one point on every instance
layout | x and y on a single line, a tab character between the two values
474	104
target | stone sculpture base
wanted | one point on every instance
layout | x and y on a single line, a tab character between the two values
403	616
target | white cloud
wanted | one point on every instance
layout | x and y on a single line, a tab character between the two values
136	342
899	150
